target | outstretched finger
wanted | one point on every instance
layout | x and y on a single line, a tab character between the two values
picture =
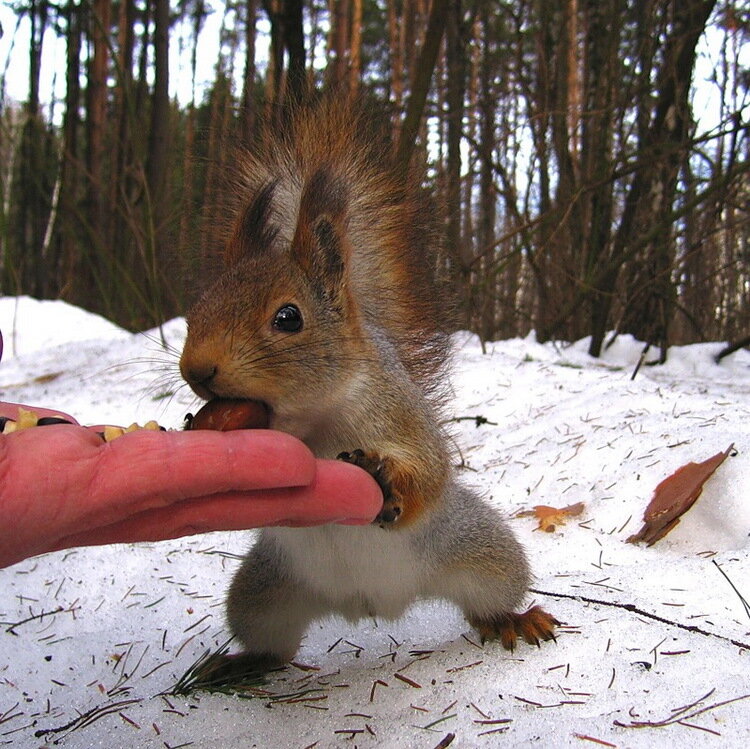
62	480
340	493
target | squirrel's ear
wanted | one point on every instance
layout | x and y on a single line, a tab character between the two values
319	244
255	232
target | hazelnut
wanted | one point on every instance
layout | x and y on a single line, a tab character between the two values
227	414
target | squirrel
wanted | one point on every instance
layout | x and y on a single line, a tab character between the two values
329	311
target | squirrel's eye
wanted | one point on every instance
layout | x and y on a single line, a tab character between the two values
288	319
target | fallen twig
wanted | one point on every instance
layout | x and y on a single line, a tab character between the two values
87	718
734	587
601	742
407	680
447	740
641	612
478	420
679	716
59	610
641	359
9	714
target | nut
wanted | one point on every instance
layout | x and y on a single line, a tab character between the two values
113	432
227	414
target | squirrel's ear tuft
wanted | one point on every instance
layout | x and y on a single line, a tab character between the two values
319	243
325	194
255	230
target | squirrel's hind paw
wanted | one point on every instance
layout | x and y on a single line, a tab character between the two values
376	467
532	626
220	671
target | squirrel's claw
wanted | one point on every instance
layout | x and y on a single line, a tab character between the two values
532	626
376	467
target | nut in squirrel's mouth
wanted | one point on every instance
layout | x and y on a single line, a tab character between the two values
228	414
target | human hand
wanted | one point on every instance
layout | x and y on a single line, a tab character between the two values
62	486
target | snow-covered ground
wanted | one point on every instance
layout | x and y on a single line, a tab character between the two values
652	635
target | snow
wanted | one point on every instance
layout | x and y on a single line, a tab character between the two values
29	325
648	631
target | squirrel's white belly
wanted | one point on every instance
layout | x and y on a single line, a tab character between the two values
361	570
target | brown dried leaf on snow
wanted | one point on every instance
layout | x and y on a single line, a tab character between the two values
674	496
550	517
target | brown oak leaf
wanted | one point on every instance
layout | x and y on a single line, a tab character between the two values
674	496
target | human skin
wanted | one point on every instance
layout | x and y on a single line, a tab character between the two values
63	486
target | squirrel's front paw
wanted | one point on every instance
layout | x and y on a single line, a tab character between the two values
377	467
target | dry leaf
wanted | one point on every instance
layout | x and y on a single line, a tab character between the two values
674	496
550	517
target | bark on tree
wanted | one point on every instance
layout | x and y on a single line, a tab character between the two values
602	44
649	203
30	184
421	83
294	42
355	68
159	132
395	46
488	193
70	163
93	266
248	80
275	74
338	43
157	198
456	91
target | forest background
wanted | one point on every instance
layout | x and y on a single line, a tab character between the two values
591	157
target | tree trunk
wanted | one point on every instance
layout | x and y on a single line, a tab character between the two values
456	68
159	133
30	188
275	73
248	80
396	52
602	45
70	176
91	272
338	43
157	202
488	194
649	203
421	83
124	190
35	193
355	68
294	41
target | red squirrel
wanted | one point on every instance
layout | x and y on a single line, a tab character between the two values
329	311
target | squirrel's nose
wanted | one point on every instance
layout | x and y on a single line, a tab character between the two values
199	376
199	367
210	367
